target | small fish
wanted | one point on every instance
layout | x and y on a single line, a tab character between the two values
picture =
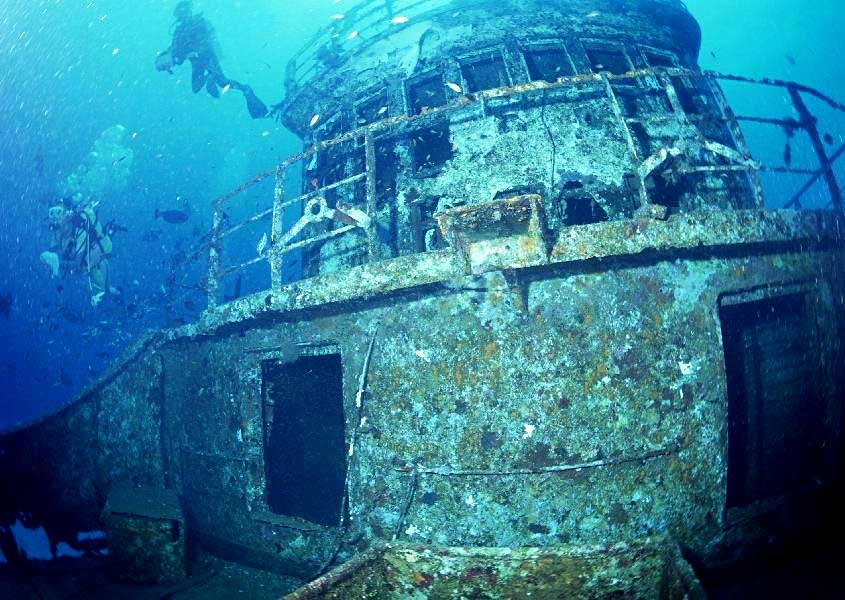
381	111
791	60
454	87
593	14
400	20
226	88
828	139
352	36
175	217
338	17
314	120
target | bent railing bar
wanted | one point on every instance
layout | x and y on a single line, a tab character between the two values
304	63
796	199
785	123
804	89
234	269
253	219
320	192
789	170
808	121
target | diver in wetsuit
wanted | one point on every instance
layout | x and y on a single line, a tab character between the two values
194	40
80	244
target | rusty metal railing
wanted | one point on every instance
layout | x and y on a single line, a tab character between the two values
314	209
358	26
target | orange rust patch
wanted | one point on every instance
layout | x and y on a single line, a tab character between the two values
422	579
490	350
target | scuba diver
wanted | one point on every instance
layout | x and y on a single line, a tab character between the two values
194	40
80	244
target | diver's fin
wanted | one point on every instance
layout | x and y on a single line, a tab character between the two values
212	89
257	109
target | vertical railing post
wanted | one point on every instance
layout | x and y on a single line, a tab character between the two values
214	252
372	233
275	255
808	122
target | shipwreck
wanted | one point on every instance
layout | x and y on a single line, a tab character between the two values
523	291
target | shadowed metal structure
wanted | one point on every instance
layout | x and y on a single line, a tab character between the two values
524	291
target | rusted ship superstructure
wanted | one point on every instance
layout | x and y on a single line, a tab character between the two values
538	299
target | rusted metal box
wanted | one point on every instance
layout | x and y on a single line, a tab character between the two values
499	233
146	532
644	569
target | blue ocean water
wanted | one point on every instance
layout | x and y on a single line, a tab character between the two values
73	69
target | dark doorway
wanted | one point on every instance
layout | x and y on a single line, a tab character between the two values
304	438
776	431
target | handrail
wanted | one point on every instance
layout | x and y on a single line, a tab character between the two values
371	19
399	125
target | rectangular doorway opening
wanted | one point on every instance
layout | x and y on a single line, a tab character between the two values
775	410
304	443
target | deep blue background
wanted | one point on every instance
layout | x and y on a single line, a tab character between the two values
69	69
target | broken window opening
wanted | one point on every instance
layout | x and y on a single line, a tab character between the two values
548	64
431	149
426	93
641	102
583	210
372	110
694	96
661	60
485	73
612	60
304	451
775	412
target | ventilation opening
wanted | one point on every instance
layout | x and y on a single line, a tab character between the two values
431	149
607	59
486	73
426	93
583	211
304	448
548	64
775	413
